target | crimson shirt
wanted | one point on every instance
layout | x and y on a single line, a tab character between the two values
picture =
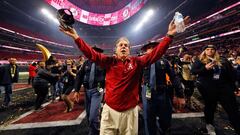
32	70
123	77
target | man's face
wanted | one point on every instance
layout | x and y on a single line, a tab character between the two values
210	52
122	49
12	61
69	62
42	64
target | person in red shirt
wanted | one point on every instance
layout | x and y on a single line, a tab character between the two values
32	72
123	72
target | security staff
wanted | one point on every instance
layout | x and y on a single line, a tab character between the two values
92	77
156	94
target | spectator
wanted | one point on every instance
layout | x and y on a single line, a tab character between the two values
42	82
8	75
215	82
32	72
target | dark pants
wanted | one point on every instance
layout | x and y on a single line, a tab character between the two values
92	104
30	80
41	91
67	89
158	106
8	93
226	97
189	88
57	89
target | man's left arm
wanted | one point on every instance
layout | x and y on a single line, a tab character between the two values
156	53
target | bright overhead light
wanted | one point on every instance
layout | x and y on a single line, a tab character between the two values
49	15
149	13
44	11
139	26
146	17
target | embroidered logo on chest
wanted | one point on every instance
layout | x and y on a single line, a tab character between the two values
130	66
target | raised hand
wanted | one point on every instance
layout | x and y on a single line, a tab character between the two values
70	32
172	27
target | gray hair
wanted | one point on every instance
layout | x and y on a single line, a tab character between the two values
119	40
122	39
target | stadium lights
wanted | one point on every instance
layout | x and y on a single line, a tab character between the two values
147	15
38	39
49	15
208	38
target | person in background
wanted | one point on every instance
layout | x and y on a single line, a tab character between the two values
42	83
81	60
237	67
158	80
216	83
188	79
8	75
68	81
57	86
92	77
32	72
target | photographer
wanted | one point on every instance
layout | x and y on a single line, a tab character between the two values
68	81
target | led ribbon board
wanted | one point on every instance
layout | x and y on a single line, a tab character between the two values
99	19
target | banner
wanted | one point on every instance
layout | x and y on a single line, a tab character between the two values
99	19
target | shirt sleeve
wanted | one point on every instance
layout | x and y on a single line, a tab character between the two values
156	53
96	57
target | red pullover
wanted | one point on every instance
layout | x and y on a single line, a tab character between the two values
123	77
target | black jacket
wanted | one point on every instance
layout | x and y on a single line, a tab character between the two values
44	77
84	73
162	68
5	75
205	77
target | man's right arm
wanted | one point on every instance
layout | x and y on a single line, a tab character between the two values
99	58
92	55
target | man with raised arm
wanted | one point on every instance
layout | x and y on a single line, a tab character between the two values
120	112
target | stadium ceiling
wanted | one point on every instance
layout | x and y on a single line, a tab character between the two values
25	15
100	19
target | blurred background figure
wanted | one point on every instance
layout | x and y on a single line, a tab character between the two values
216	83
92	77
32	72
237	67
69	76
42	83
8	75
188	79
80	62
57	86
159	81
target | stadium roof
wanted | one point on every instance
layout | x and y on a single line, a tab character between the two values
26	15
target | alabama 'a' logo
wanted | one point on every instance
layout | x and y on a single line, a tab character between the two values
130	66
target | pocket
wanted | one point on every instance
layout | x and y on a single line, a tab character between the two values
105	113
